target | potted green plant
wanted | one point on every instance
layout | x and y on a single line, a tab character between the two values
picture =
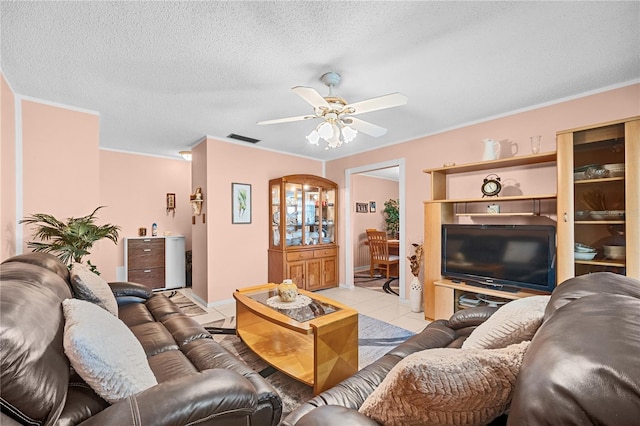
392	216
71	239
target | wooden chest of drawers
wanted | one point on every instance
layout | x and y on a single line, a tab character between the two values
156	262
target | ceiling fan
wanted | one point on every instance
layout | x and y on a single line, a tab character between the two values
338	124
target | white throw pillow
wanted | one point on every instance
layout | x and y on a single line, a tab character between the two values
447	386
104	352
514	322
90	287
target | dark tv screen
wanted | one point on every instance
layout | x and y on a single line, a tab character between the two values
504	257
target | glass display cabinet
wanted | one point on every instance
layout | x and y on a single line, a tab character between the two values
598	203
302	236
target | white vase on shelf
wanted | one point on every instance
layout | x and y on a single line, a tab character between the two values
415	295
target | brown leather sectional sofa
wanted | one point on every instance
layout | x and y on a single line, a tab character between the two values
581	368
199	382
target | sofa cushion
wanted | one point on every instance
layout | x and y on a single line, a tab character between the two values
447	387
90	287
104	352
515	322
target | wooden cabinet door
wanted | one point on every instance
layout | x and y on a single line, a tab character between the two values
330	272
295	272
313	277
565	229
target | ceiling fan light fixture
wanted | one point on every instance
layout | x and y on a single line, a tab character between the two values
313	137
349	134
337	127
325	130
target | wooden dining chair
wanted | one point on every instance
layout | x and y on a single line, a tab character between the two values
379	249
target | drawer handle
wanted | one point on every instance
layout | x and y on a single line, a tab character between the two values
301	256
147	241
146	271
147	249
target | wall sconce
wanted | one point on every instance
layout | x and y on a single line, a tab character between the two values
196	201
186	155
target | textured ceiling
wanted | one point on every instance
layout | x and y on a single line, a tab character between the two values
164	74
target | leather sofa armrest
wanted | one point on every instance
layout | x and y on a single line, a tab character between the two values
335	415
208	397
128	292
470	317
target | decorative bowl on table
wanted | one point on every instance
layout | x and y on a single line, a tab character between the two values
287	291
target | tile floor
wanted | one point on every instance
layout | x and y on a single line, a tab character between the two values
384	307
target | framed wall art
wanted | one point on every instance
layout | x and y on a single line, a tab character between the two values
362	207
372	206
240	203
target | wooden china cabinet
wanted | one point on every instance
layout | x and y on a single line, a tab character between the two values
303	231
599	198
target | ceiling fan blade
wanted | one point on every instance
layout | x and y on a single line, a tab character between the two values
287	120
365	127
381	102
311	96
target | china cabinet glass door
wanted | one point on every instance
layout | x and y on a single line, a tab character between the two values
328	216
599	200
294	214
276	215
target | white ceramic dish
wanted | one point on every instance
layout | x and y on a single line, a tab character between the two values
615	166
583	248
615	170
578	255
582	214
607	214
614	252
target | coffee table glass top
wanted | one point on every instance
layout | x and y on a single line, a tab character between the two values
314	309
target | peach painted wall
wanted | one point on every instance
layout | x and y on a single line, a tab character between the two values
464	145
366	189
66	174
133	188
199	230
60	161
8	174
237	253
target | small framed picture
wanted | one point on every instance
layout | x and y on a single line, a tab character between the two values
362	207
240	203
372	206
171	202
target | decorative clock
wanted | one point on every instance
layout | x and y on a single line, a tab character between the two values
491	186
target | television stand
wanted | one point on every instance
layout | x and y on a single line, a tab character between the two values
448	294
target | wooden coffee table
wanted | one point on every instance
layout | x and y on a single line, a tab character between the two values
316	344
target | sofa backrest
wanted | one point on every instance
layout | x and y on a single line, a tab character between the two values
34	369
582	365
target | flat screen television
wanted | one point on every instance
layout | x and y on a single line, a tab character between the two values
502	257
